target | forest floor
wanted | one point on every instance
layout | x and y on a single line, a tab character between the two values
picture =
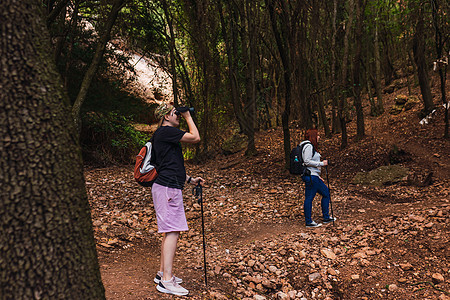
389	242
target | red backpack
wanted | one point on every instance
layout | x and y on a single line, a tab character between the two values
144	169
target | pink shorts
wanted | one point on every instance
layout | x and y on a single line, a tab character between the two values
168	203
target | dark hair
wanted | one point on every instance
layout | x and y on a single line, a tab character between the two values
311	135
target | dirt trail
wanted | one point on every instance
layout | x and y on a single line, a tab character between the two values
389	242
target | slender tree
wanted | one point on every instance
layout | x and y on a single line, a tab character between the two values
90	73
280	27
359	8
345	59
47	247
379	108
441	57
420	58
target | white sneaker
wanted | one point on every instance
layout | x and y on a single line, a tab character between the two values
171	287
159	276
313	225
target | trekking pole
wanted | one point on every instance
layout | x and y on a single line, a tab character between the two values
198	192
329	191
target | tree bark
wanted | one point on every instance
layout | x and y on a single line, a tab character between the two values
47	246
54	13
281	37
171	39
440	42
360	131
342	101
249	37
420	60
335	126
90	73
377	82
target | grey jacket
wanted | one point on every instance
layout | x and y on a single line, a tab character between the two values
313	163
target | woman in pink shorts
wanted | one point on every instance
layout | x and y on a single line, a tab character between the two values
167	189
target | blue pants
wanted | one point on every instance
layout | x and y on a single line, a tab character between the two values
314	185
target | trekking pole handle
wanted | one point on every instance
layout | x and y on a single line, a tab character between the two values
197	192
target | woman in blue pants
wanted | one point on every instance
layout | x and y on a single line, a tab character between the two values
313	182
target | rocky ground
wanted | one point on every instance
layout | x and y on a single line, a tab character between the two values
389	241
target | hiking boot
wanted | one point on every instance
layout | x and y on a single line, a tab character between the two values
313	224
326	221
171	287
159	276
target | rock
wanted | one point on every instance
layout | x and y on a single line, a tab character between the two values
402	280
429	225
234	144
360	254
416	218
217	269
437	278
216	295
406	267
393	287
273	269
401	99
281	295
443	297
292	294
383	175
268	284
313	276
291	260
328	253
259	297
396	109
331	271
355	277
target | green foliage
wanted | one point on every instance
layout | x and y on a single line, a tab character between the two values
143	25
109	138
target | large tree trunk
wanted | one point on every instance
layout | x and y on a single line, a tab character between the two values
47	247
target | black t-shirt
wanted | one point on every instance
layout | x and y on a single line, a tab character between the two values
169	157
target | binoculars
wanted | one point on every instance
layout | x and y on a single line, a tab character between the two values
183	109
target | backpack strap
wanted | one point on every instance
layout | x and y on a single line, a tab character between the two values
303	147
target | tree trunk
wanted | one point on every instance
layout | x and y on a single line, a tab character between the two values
231	46
281	37
250	78
320	102
440	42
47	247
420	59
360	131
336	128
54	13
342	101
377	82
90	73
171	39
